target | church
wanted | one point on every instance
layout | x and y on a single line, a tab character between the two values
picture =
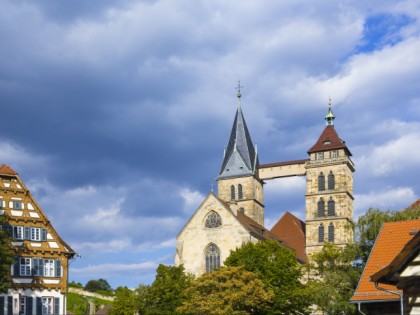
234	216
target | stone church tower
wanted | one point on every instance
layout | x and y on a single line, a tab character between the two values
329	190
238	181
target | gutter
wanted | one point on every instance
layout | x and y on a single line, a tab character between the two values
359	308
392	292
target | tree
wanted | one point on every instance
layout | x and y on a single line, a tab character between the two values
98	285
166	293
124	302
229	290
278	268
6	257
369	225
336	278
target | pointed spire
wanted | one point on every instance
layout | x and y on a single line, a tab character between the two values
240	158
329	118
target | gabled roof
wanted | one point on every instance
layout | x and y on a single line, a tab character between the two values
415	205
6	170
240	157
391	273
291	230
389	243
329	140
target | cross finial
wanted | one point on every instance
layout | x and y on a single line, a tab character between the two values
238	95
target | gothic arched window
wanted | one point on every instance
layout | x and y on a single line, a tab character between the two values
321	233
212	258
331	181
321	182
232	192
321	208
331	207
213	220
240	195
331	233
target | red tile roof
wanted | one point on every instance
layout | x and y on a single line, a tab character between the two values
291	231
5	169
413	206
389	243
329	140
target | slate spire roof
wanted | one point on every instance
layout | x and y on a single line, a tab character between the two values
240	158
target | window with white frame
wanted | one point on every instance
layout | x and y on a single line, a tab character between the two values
38	266
25	266
49	268
47	306
319	155
35	234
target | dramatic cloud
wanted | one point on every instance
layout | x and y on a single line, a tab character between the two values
115	113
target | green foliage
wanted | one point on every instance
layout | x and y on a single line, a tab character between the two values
166	293
124	303
280	272
75	285
369	225
6	257
229	290
98	285
335	278
76	303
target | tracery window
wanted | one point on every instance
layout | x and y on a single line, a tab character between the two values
240	195
321	233
232	192
331	207
331	181
331	233
213	220
212	258
321	208
321	182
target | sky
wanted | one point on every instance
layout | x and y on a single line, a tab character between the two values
115	113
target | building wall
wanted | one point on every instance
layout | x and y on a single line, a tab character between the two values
194	239
253	196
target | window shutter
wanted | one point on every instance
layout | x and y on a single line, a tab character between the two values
56	306
38	305
10	305
29	305
26	233
16	266
1	305
58	268
35	266
43	234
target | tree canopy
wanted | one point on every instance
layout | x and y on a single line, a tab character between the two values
6	258
124	302
278	268
335	278
369	225
98	285
166	293
229	290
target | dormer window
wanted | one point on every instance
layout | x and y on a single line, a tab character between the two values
327	142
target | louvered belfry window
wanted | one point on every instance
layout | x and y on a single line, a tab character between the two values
331	233
321	233
321	208
331	207
321	182
331	181
240	194
212	258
